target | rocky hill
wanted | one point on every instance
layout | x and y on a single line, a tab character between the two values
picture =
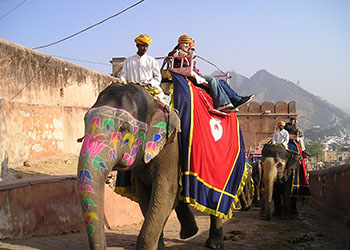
312	110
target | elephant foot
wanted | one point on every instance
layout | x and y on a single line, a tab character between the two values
246	208
295	212
188	232
286	217
215	243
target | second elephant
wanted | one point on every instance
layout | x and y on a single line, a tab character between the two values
278	164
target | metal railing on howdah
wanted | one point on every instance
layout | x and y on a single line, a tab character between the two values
169	62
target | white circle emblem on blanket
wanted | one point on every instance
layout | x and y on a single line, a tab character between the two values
216	128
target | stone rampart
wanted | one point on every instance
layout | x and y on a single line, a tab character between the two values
43	101
29	76
330	191
258	121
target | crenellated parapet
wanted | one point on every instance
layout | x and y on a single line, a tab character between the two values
258	121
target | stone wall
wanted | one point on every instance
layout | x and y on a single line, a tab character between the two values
258	121
51	205
43	101
3	132
330	191
38	131
29	76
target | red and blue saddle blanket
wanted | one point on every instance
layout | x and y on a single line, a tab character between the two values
300	183
212	154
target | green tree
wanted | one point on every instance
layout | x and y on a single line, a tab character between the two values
315	149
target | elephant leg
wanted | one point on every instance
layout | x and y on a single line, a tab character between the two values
277	200
216	233
157	190
262	212
287	201
155	219
144	194
185	216
294	206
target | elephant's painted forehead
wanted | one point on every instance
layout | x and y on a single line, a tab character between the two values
94	115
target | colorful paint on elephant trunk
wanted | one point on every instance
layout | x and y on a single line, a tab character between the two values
114	136
85	189
100	148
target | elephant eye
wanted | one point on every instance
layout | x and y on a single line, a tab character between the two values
125	128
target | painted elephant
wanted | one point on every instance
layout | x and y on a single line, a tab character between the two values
126	129
278	164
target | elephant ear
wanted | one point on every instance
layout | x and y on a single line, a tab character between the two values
163	129
293	162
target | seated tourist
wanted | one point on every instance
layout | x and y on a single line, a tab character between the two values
300	138
224	97
291	129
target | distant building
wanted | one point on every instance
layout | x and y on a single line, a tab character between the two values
335	156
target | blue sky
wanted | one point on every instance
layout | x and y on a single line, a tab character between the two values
301	40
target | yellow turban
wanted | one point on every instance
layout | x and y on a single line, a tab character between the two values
143	39
191	43
184	39
281	123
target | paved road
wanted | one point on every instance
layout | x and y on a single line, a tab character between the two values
311	230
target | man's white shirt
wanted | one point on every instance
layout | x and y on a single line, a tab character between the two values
141	69
281	137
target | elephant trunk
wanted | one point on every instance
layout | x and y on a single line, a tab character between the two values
91	192
95	162
93	212
269	177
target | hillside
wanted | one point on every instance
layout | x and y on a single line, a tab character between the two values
312	110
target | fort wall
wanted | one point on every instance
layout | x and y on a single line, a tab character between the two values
43	101
258	121
330	191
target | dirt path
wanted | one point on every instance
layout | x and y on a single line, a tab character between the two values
245	231
44	167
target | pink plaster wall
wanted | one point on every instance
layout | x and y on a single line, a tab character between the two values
39	131
43	102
